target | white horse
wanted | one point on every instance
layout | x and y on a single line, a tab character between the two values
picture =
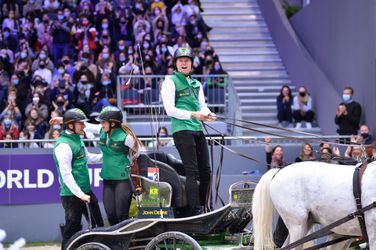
312	192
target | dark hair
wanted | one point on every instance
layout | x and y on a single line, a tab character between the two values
281	90
160	129
350	88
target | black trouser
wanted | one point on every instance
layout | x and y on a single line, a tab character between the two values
281	232
284	115
74	208
194	153
117	197
308	116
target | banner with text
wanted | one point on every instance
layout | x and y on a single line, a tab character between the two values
33	179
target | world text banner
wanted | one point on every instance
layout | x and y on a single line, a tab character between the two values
33	179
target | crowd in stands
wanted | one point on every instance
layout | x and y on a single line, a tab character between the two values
347	118
59	54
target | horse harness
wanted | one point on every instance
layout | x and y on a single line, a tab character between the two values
357	191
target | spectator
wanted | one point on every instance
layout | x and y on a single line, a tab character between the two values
8	126
44	32
24	135
177	14
274	157
327	152
43	56
51	5
217	81
37	103
85	34
62	90
355	151
11	23
31	129
302	106
10	5
284	103
52	135
348	114
10	42
84	93
60	31
365	137
32	6
161	140
11	110
306	153
40	123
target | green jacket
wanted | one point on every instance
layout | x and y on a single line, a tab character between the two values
186	98
80	170
115	155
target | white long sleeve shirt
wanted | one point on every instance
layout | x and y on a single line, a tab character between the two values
96	128
168	97
64	157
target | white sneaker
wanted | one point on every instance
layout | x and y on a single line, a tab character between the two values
298	125
309	125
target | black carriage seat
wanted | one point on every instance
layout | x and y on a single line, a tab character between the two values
167	174
169	159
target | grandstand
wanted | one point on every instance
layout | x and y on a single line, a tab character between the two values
55	55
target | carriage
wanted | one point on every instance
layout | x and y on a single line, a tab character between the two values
161	225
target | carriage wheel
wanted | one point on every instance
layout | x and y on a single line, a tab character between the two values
93	246
173	241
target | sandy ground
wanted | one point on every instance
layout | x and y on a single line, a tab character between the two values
43	248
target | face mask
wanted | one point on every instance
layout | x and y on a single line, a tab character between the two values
104	26
157	12
145	45
15	81
162	135
217	67
130	52
86	7
346	98
60	17
122	59
364	135
60	103
121	47
31	1
302	94
105	83
42	66
42	56
56	126
61	71
6	34
66	14
164	50
66	62
23	55
35	99
105	56
7	122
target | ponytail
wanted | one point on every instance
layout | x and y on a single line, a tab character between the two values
137	143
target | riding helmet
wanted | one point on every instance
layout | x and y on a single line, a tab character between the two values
110	114
74	115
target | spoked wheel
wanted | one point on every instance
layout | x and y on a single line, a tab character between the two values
93	246
173	241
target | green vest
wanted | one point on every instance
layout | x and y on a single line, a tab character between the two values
115	160
80	170
186	98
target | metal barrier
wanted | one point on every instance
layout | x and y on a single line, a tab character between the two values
139	94
227	140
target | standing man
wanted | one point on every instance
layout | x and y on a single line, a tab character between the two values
71	159
348	114
183	100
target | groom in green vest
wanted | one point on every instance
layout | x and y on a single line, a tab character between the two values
71	159
184	100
